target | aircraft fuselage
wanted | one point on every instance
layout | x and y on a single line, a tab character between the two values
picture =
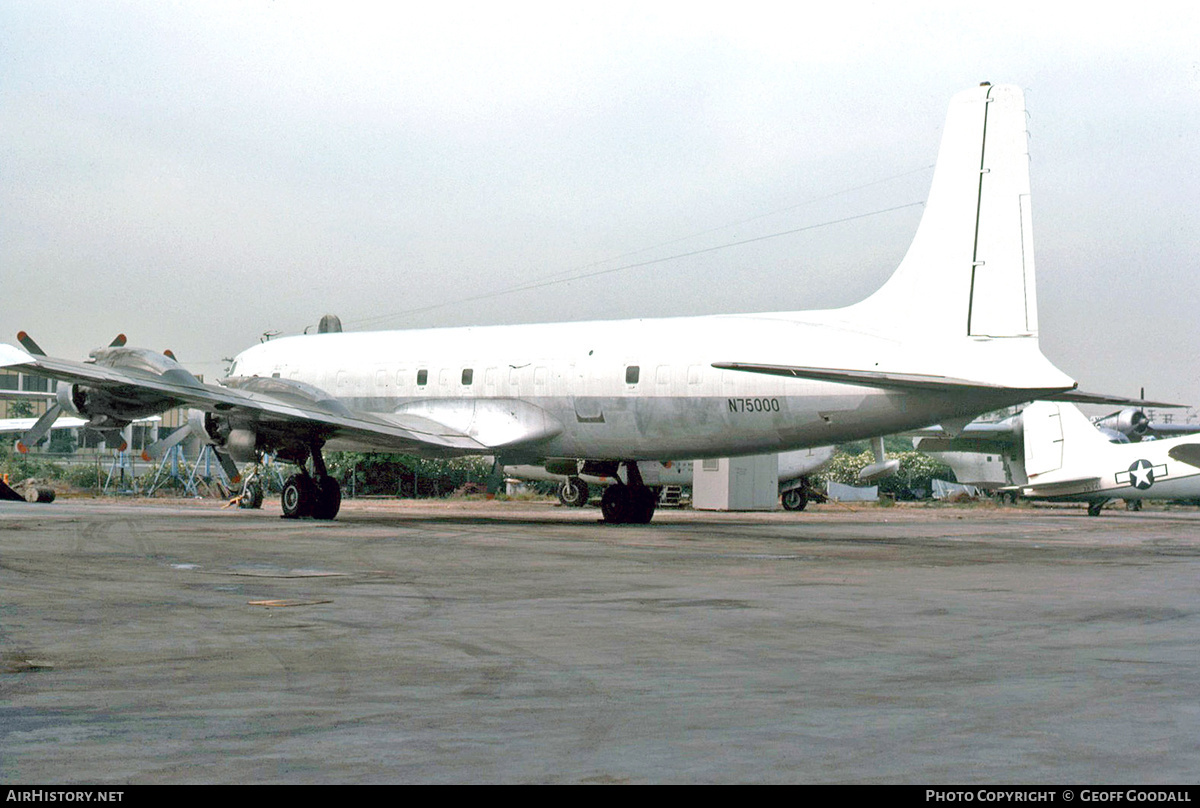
610	389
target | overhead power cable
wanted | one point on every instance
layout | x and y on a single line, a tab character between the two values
577	275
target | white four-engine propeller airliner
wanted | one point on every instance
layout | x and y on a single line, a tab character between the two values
952	334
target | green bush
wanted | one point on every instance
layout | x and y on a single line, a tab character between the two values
373	474
912	479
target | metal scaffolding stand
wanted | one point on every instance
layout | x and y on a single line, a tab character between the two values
207	470
172	469
122	469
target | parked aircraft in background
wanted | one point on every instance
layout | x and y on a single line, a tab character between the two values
22	426
1053	451
575	488
952	334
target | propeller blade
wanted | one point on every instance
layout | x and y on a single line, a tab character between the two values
29	345
113	439
227	465
160	447
39	429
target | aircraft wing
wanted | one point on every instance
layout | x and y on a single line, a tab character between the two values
122	384
1186	453
16	425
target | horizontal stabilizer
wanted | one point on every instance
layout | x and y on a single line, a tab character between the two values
870	378
1186	453
1060	487
1080	397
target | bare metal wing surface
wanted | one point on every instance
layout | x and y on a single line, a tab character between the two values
122	384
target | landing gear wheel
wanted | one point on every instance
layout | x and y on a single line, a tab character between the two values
624	505
328	498
795	499
642	502
1094	508
299	494
615	504
573	492
252	497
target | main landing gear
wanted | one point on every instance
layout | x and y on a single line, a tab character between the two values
315	495
629	503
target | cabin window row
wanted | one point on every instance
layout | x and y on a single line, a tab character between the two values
633	373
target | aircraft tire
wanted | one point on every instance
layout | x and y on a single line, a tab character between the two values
642	503
615	505
252	497
795	499
573	493
298	496
328	500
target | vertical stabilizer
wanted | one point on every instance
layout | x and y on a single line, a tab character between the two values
1059	436
1041	425
969	271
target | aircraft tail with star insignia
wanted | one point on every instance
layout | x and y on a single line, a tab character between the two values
1060	444
1067	458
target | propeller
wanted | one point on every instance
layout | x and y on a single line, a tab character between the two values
100	419
39	429
194	426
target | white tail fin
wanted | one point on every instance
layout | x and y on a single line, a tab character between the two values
1059	437
970	265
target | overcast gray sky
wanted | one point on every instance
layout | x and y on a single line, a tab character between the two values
197	173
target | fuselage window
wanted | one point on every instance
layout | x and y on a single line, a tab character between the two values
422	378
468	375
632	373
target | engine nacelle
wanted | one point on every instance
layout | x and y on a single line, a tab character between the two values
1131	423
73	398
240	444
